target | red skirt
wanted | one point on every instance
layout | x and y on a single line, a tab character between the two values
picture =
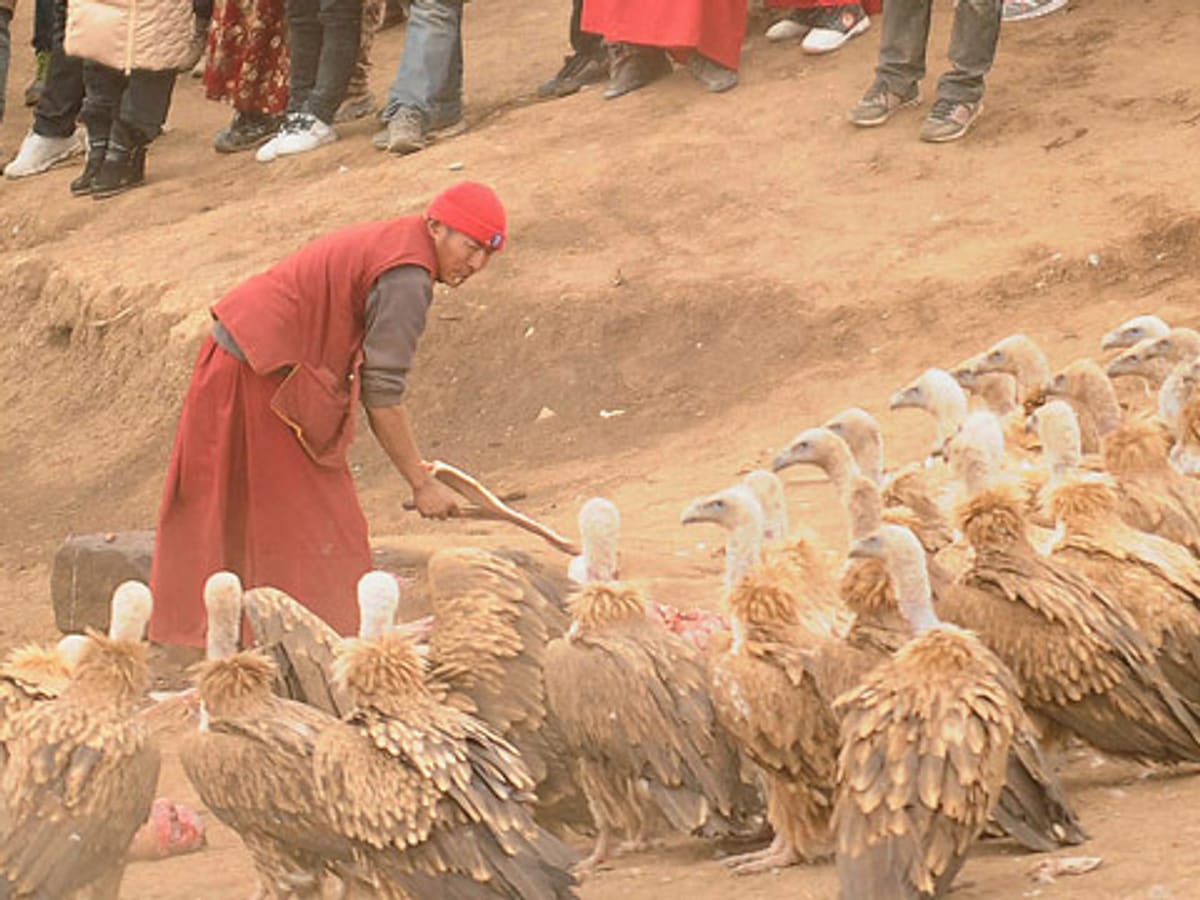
714	28
871	7
241	494
248	56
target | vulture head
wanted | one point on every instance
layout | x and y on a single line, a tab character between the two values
131	608
228	682
1153	358
904	557
1086	386
1139	328
976	451
822	448
378	600
223	606
599	535
862	434
936	392
1020	357
1057	429
737	511
69	650
767	489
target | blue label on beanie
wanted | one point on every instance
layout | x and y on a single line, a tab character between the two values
496	241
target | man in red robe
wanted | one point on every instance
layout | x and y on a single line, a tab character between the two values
258	481
706	35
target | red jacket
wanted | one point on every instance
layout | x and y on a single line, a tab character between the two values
307	312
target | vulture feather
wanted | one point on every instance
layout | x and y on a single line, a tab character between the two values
434	801
82	769
924	746
251	761
32	674
1078	657
632	701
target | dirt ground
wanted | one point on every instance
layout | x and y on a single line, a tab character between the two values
721	270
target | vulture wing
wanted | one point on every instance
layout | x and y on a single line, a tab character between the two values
302	645
633	707
1078	658
78	785
1168	506
924	746
255	774
436	803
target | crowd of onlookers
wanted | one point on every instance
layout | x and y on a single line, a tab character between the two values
293	69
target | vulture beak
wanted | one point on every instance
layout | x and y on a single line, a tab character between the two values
702	510
792	455
1113	340
966	377
906	398
1031	425
1122	365
993	361
1056	386
867	548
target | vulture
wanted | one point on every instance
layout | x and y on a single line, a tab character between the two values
1155	358
1033	808
772	689
631	699
936	392
82	769
996	391
1155	497
31	674
1078	657
1139	328
1085	386
1020	357
251	761
862	434
434	802
925	741
1156	581
1185	454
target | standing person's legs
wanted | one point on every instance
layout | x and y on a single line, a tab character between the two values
359	102
901	63
43	41
5	53
103	89
341	23
972	49
304	45
137	120
427	92
586	65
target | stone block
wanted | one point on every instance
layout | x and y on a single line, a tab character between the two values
88	567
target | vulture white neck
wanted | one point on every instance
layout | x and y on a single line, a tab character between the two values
743	553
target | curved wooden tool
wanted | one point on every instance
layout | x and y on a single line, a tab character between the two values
489	506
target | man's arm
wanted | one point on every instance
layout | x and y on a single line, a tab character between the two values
393	429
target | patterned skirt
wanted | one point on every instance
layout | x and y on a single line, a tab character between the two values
248	55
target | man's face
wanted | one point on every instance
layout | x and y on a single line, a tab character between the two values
459	256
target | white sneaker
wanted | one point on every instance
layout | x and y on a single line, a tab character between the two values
39	154
786	30
1024	10
304	133
268	151
843	25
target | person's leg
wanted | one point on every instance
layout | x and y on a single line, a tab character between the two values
62	98
902	45
586	65
304	45
429	79
43	41
341	22
138	120
359	102
5	54
972	50
104	87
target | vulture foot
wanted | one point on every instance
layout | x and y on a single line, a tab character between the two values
774	857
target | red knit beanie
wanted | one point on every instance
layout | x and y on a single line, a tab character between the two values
475	210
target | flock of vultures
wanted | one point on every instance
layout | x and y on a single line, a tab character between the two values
1034	582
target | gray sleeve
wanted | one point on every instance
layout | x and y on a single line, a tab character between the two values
395	319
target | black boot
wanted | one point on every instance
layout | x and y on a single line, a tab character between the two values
123	169
82	186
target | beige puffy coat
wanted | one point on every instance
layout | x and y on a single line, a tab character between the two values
130	34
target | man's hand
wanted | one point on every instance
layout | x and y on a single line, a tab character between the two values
434	500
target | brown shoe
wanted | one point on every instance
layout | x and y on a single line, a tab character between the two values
633	67
714	76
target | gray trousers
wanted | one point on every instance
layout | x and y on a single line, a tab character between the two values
5	54
324	36
972	47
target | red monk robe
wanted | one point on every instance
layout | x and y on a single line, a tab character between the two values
258	481
715	28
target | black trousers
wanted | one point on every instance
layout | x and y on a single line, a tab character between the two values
583	41
125	110
323	37
62	96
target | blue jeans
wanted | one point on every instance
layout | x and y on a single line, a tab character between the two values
972	47
431	70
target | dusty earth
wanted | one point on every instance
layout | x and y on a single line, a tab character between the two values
721	270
